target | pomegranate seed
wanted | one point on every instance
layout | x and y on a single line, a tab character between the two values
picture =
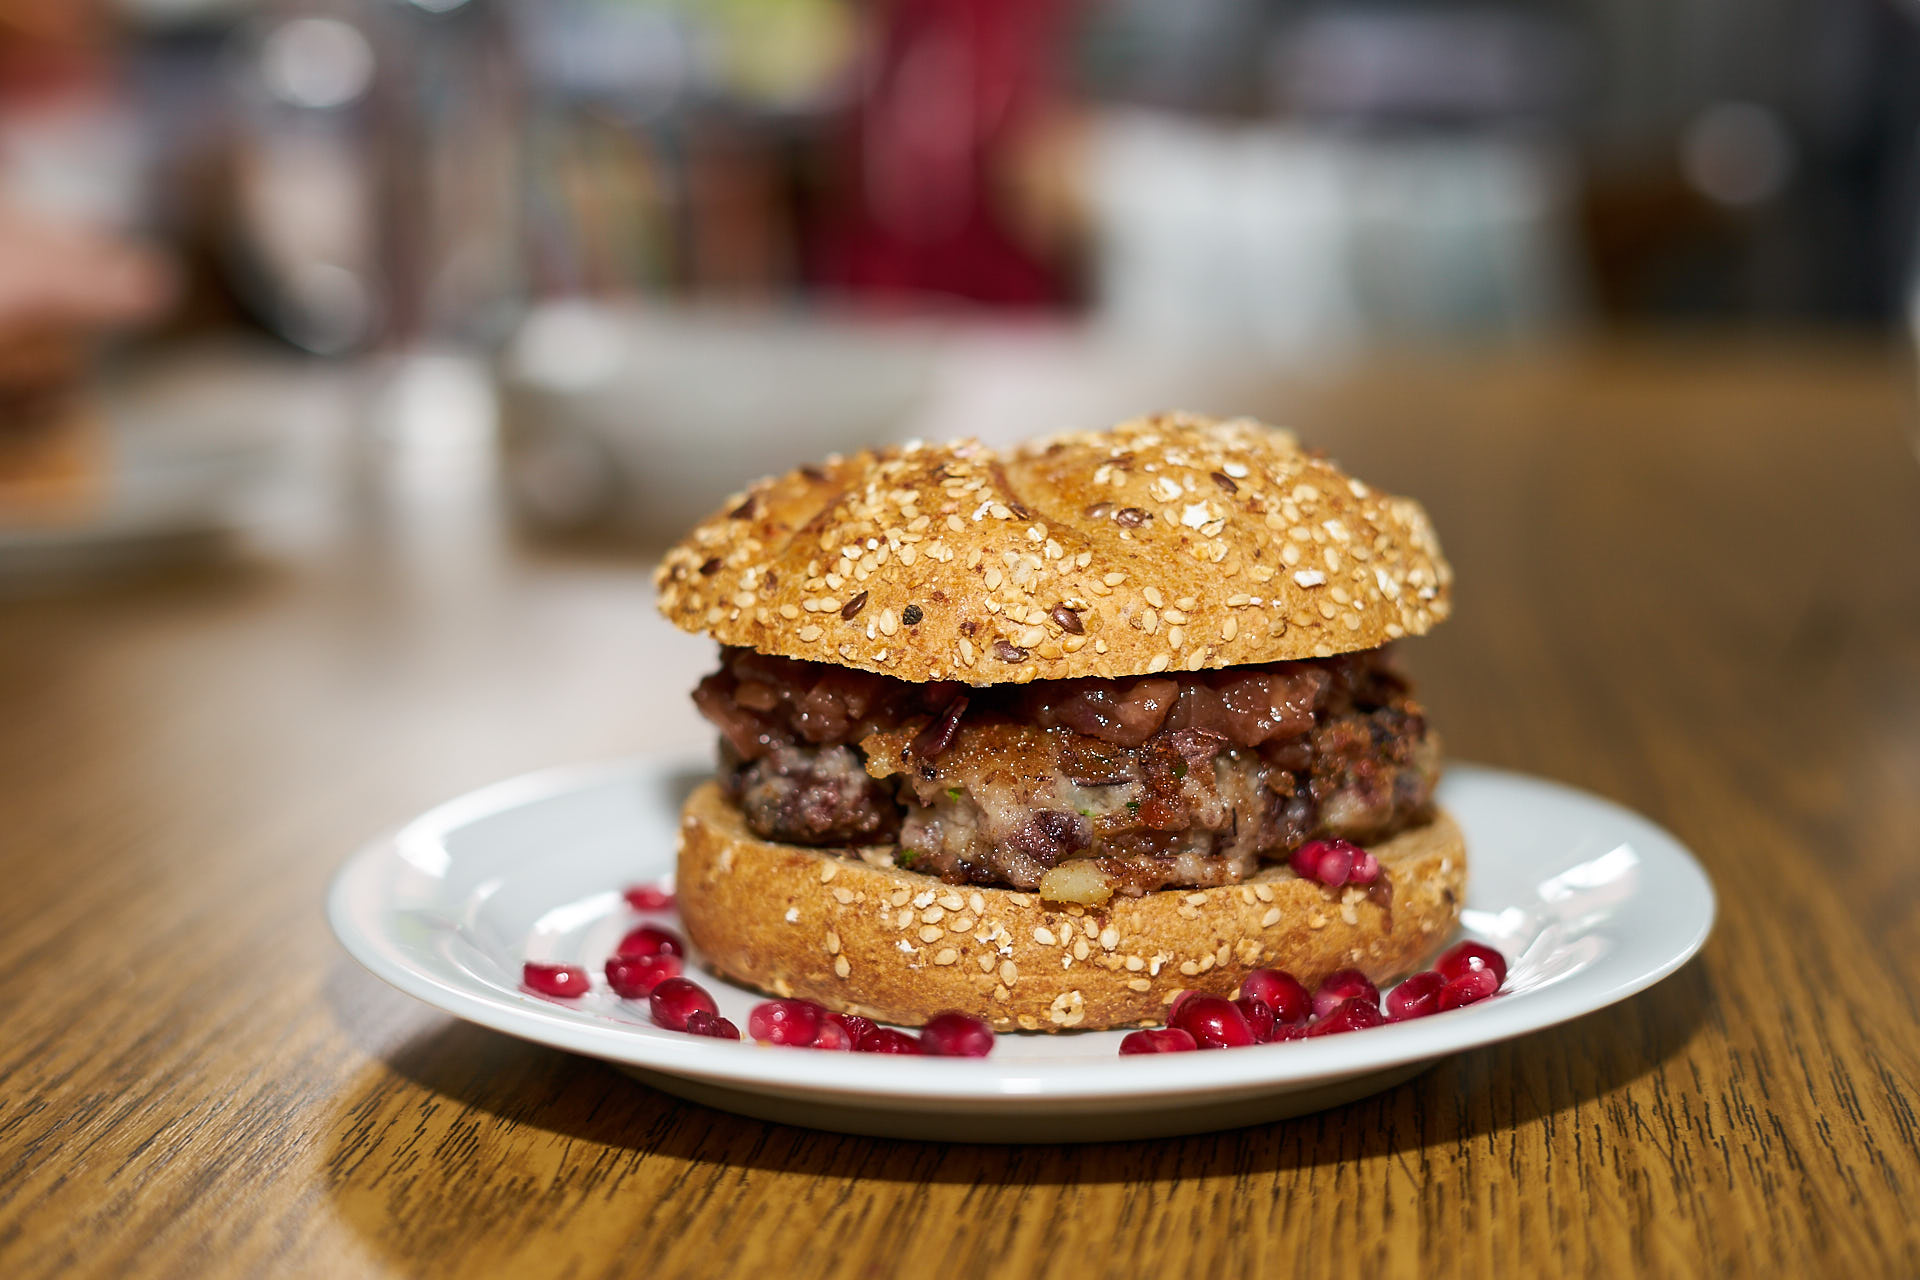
1366	869
1464	958
1259	1015
785	1021
857	1027
1347	984
647	897
1328	861
702	1023
834	1033
677	999
1469	988
1179	1000
564	980
635	977
1158	1040
1417	997
649	940
956	1035
887	1040
1289	1031
1356	1014
1280	992
1214	1023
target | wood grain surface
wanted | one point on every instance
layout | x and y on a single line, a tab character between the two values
1689	579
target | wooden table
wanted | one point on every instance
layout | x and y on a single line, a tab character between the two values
1689	580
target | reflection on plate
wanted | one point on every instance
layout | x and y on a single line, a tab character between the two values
1590	902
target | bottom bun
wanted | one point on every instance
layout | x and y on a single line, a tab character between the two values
850	930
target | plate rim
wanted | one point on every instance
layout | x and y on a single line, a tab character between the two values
1296	1064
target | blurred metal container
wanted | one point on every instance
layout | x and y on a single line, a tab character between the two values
640	420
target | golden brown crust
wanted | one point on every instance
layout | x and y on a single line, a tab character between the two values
866	937
1176	542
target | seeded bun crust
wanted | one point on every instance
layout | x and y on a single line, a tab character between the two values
859	935
1176	542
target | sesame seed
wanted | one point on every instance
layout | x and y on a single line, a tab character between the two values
810	633
1271	918
1153	597
840	967
1009	972
833	943
828	871
1135	964
928	933
843	895
933	915
1230	628
1189	968
1109	938
1309	578
1157	663
1044	936
946	955
1139	984
978	903
985	962
1113	579
1263	893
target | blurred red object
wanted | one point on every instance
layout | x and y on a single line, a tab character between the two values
949	87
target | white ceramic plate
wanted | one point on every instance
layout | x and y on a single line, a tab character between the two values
1590	902
168	489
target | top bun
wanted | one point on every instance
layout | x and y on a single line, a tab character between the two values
1171	543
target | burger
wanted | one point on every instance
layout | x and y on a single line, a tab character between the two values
1051	735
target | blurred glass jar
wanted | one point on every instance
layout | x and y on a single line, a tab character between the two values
372	172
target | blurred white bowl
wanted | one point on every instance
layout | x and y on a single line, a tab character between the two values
642	420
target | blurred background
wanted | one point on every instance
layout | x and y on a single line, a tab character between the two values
276	267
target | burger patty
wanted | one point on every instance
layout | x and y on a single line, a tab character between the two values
1148	783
